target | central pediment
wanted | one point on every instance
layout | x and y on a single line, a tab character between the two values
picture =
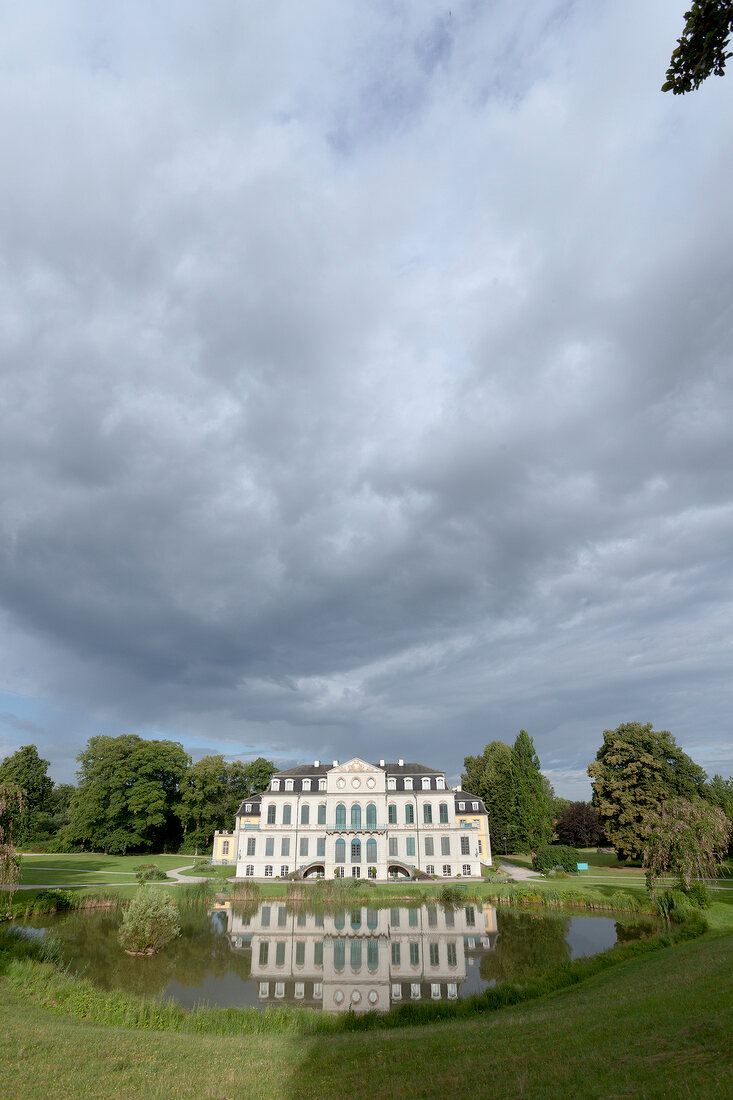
355	765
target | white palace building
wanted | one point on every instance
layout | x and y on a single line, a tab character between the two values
358	820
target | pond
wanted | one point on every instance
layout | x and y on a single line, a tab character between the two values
360	958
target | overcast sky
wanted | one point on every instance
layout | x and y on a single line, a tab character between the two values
366	381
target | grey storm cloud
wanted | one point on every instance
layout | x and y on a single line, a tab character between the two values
366	380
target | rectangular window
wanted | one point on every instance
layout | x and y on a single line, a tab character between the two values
306	784
355	851
434	955
470	916
321	846
432	917
393	846
271	814
414	954
268	871
394	917
301	920
265	916
450	918
480	847
412	917
280	953
305	814
285	846
452	958
282	916
443	813
410	846
251	844
445	845
391	814
461	805
269	846
322	814
465	846
250	870
356	872
287	814
321	784
304	846
427	813
395	953
446	870
409	814
430	869
300	953
474	805
429	846
408	783
467	869
284	871
318	953
264	952
225	848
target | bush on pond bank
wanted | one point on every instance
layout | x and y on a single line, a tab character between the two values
149	922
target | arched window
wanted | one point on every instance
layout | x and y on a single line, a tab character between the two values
339	954
340	814
426	784
355	954
372	918
271	814
356	918
287	812
440	783
322	813
392	814
409	813
356	851
371	850
356	816
427	813
275	785
340	856
305	814
339	919
391	783
443	810
288	784
371	814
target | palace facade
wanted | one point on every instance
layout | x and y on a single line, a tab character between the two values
358	820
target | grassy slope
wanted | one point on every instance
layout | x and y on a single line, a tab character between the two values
657	1026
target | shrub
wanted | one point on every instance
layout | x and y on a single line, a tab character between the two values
550	856
150	872
150	921
698	895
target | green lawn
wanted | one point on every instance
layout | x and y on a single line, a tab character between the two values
653	1027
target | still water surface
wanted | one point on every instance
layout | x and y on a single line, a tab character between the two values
359	958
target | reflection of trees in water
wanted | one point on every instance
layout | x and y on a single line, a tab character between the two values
526	945
635	929
89	948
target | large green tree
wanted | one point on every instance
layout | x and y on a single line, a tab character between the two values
26	769
688	839
636	769
128	795
702	50
12	808
211	792
532	806
490	777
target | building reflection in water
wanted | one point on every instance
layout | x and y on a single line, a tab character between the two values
361	959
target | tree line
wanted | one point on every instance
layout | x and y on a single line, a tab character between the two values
132	795
646	790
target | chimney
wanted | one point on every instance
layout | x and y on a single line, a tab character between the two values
381	763
401	763
316	763
335	763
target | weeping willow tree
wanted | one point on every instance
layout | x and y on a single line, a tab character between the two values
12	806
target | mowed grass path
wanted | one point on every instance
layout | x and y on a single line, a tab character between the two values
653	1027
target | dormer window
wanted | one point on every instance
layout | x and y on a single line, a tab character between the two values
248	808
408	783
461	805
321	784
306	784
289	784
275	785
426	784
391	783
440	783
474	805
